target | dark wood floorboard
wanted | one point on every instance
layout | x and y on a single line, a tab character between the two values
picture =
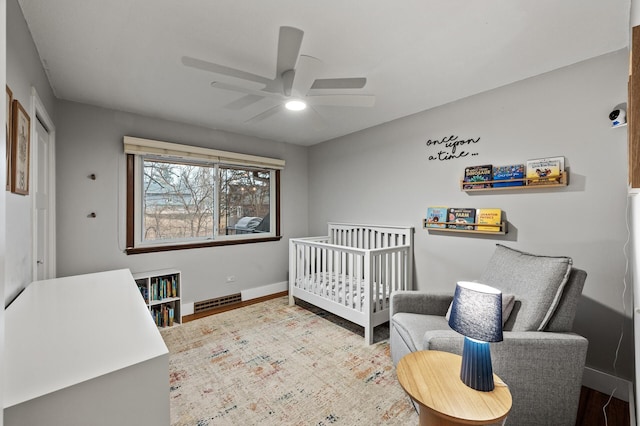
590	409
214	311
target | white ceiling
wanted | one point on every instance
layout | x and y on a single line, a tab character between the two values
416	54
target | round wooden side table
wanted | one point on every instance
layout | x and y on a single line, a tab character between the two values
432	380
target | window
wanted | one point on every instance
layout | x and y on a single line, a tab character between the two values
187	197
177	201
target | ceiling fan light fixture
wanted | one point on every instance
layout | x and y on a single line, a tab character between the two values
295	105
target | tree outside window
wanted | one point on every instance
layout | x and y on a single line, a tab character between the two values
183	203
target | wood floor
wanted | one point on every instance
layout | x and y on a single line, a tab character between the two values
590	409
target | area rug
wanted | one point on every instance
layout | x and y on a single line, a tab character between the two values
275	364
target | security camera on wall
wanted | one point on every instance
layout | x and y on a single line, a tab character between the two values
618	117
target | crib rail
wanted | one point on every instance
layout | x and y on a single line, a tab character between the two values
369	236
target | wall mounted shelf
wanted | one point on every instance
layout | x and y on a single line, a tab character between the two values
503	228
560	181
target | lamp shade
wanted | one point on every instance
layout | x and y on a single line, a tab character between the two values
476	312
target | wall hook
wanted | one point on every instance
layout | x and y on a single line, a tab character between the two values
92	176
92	215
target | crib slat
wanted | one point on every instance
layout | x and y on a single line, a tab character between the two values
299	271
348	297
358	273
368	328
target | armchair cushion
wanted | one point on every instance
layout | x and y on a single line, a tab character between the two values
536	281
411	328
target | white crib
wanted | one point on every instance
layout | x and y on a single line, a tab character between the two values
352	272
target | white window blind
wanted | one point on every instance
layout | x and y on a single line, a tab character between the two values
139	146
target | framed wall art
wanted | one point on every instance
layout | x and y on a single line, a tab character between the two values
21	129
8	140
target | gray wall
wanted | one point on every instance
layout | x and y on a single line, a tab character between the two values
24	71
381	175
90	140
384	175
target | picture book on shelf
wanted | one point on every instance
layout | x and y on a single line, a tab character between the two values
461	218
488	220
511	171
544	170
436	217
474	177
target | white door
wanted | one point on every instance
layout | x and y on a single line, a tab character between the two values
42	203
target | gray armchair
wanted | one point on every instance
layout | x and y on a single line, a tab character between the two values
540	359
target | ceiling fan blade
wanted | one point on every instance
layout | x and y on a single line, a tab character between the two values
264	115
339	83
343	100
287	81
244	102
307	69
223	70
289	42
234	88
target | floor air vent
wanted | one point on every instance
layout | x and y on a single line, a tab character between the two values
205	305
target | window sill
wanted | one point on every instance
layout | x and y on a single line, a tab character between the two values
155	249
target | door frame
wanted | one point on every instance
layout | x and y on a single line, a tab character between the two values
39	112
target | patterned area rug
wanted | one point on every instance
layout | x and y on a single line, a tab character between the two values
274	364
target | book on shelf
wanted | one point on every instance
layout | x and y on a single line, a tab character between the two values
477	177
436	217
164	287
144	292
174	286
488	220
508	172
461	218
162	316
542	171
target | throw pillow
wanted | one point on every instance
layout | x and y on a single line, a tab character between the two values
537	280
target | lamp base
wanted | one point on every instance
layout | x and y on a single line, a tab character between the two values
476	371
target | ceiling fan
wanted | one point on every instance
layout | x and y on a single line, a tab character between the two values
295	76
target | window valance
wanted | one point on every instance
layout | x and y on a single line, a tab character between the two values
139	146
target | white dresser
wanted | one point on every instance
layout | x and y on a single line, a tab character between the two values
84	350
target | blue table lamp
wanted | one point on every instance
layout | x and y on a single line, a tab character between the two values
476	313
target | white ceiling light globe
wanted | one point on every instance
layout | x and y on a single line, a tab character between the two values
295	105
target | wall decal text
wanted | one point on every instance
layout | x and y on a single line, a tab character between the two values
452	147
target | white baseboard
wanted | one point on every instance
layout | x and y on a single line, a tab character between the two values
187	308
254	293
606	383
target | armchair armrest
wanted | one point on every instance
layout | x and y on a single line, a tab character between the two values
417	302
541	359
523	351
542	369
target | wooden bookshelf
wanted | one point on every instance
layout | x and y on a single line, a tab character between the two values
502	228
560	181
